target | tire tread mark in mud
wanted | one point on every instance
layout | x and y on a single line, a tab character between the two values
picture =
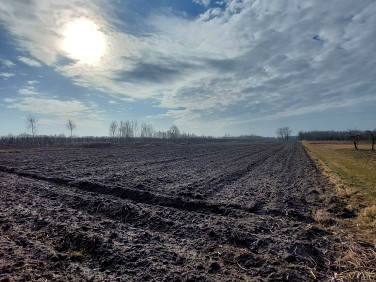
239	173
138	196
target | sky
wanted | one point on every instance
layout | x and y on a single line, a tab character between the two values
210	67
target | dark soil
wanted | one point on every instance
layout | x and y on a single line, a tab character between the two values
193	212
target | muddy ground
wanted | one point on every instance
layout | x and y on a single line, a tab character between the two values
221	211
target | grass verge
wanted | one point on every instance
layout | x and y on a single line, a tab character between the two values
353	174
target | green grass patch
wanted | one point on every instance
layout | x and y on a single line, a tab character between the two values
353	173
356	168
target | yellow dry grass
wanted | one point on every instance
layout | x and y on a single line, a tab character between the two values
353	173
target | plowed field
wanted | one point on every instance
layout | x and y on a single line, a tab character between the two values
226	211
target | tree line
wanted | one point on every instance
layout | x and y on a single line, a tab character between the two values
119	132
354	135
129	131
26	140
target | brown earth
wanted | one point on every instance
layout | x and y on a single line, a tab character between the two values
221	211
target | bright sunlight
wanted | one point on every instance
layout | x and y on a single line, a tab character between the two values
84	42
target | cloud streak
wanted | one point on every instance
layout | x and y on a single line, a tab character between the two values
6	75
27	91
202	2
7	63
59	110
30	62
243	60
54	109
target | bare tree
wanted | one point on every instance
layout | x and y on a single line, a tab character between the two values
287	133
161	134
71	125
354	136
174	132
121	129
147	130
125	129
372	134
280	133
134	127
284	133
31	125
144	130
128	129
113	128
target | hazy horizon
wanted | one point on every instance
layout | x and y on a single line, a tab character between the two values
209	67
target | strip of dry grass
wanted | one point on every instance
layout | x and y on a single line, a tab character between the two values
353	173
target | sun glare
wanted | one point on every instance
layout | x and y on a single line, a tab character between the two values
84	42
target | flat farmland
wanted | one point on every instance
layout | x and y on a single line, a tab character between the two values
220	211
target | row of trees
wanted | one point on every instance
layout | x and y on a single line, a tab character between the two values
119	132
123	129
354	135
26	140
284	133
130	129
324	135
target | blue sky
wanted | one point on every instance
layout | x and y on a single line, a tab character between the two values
209	67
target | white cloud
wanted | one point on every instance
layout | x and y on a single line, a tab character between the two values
280	67
60	110
9	100
6	74
202	2
112	102
39	26
50	106
27	91
31	82
252	59
7	63
296	111
30	62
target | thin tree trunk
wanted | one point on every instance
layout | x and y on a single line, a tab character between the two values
356	145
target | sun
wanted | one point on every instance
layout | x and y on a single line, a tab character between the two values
83	41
